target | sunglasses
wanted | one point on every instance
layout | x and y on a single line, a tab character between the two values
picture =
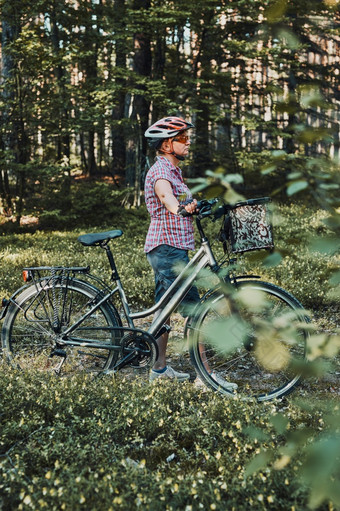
182	138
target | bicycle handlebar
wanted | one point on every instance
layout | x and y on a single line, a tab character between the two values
205	207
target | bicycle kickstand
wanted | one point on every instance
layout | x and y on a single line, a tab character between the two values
58	353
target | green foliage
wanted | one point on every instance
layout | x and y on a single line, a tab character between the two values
68	442
303	271
319	455
84	443
58	200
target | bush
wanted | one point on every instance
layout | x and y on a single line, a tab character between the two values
83	443
302	272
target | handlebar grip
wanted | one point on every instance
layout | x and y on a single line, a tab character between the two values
181	211
205	207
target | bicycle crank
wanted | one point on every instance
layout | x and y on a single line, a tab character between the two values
139	350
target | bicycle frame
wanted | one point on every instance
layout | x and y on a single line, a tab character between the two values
204	257
170	300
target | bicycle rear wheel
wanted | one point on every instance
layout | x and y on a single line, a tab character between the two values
259	347
34	324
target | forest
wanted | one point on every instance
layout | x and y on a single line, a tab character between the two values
80	81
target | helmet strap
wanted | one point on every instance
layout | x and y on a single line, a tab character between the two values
172	152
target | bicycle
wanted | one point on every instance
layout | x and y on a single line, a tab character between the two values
70	314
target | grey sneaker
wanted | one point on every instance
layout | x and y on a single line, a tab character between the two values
228	385
170	374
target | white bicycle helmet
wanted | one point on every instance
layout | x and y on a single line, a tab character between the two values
168	127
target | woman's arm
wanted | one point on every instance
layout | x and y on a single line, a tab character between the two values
163	190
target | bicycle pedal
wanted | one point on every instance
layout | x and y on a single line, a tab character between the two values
58	353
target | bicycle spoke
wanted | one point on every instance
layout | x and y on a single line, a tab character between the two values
33	329
261	361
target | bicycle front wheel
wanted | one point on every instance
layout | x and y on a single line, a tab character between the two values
257	343
32	333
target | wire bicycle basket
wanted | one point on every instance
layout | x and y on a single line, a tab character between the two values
247	226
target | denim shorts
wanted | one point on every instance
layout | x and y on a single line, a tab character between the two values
163	260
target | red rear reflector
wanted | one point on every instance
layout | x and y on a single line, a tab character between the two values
26	275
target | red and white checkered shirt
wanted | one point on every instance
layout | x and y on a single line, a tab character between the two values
166	228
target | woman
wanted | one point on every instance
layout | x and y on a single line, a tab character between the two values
171	231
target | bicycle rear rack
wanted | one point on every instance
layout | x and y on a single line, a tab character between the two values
40	272
63	273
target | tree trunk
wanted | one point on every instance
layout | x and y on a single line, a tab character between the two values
201	157
92	164
14	138
63	141
142	63
9	33
118	111
158	71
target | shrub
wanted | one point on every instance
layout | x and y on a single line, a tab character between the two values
83	443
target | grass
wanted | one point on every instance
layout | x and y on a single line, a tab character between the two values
103	443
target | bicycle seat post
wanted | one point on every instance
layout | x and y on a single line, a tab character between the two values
109	254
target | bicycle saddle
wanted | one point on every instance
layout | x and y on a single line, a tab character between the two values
89	240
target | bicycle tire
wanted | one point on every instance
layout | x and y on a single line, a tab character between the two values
264	366
28	337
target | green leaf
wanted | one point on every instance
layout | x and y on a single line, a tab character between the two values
256	433
294	175
272	260
297	186
335	279
289	38
258	463
199	188
268	170
279	422
321	468
312	135
327	245
215	333
276	11
329	186
278	154
323	345
233	178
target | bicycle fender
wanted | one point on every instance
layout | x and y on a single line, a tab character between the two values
7	302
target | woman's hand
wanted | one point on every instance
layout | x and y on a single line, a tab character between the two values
191	207
188	209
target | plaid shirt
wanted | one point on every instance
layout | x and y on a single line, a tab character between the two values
166	228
